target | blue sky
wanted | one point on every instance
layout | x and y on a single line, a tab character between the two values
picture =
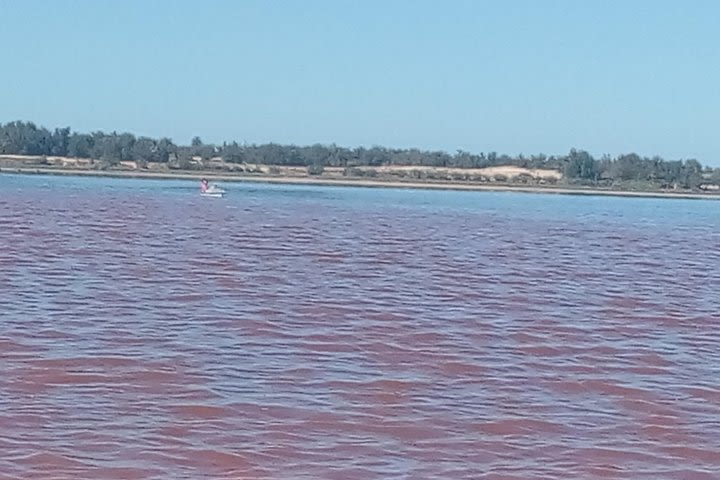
515	76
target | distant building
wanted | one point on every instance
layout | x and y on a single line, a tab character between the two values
130	165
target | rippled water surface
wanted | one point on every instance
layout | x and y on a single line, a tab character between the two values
305	332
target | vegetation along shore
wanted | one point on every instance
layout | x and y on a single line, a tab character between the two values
27	148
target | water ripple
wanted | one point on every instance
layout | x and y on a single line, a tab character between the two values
283	333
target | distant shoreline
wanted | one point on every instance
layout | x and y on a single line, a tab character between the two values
354	182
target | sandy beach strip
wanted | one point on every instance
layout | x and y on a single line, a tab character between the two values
355	182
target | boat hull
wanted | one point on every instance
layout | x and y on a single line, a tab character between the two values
213	191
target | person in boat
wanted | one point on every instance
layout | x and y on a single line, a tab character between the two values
204	186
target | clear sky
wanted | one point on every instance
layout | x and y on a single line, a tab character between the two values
511	76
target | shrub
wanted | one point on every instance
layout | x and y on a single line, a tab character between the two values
315	169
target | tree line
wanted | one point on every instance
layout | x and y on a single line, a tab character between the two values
578	166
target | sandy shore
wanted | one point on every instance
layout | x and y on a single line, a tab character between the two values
356	182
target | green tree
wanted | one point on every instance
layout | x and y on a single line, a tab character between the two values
714	177
80	145
580	165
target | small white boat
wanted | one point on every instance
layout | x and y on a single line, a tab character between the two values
213	191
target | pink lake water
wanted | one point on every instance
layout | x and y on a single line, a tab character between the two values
338	333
